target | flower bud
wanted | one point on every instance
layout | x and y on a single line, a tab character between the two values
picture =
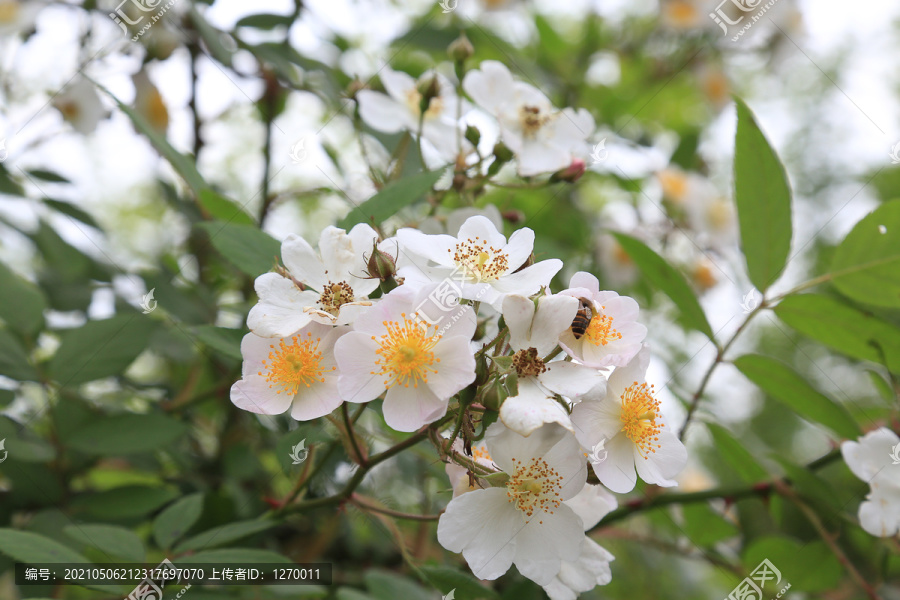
428	89
482	370
493	394
461	49
572	173
380	265
502	153
473	135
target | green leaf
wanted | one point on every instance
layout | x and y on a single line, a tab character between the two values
704	526
47	176
115	541
235	555
346	593
100	349
221	339
843	328
395	196
8	185
447	578
184	165
389	586
224	534
73	211
124	502
813	488
248	248
27	547
866	265
661	275
177	519
223	209
265	21
785	385
21	304
810	567
127	434
14	361
736	456
212	37
763	197
884	387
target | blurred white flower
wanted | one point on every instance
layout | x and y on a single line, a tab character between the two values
80	105
335	275
533	334
613	335
17	17
420	365
480	260
637	437
871	459
400	110
582	575
543	138
297	372
528	523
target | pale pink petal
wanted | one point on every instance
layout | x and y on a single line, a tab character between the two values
583	279
456	368
317	400
303	262
661	466
253	394
617	471
355	354
280	311
411	408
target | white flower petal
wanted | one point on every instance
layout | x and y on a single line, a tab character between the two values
669	459
303	262
546	541
505	444
554	315
518	312
438	248
481	525
591	504
590	570
531	409
355	354
531	279
456	369
596	421
318	400
253	394
519	247
871	454
383	113
397	83
410	408
570	380
583	279
489	86
280	311
617	471
481	228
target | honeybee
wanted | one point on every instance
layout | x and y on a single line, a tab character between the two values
582	318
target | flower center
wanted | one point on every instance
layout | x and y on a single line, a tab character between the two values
528	363
534	486
600	331
334	296
291	366
406	353
480	453
531	118
719	214
69	109
639	417
682	13
479	260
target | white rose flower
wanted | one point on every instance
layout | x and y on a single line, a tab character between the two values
875	458
335	276
628	420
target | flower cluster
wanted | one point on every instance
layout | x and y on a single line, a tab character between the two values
875	458
467	323
518	116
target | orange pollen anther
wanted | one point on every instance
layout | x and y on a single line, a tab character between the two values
406	352
640	422
479	260
600	331
292	366
534	486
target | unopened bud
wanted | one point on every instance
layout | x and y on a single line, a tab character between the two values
380	265
572	173
461	49
428	89
473	135
493	394
502	153
482	370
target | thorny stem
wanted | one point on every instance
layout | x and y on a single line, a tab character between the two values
720	357
829	539
351	434
362	502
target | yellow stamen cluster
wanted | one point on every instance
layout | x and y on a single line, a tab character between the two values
600	331
640	418
406	352
335	295
479	260
532	119
534	486
292	366
528	364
